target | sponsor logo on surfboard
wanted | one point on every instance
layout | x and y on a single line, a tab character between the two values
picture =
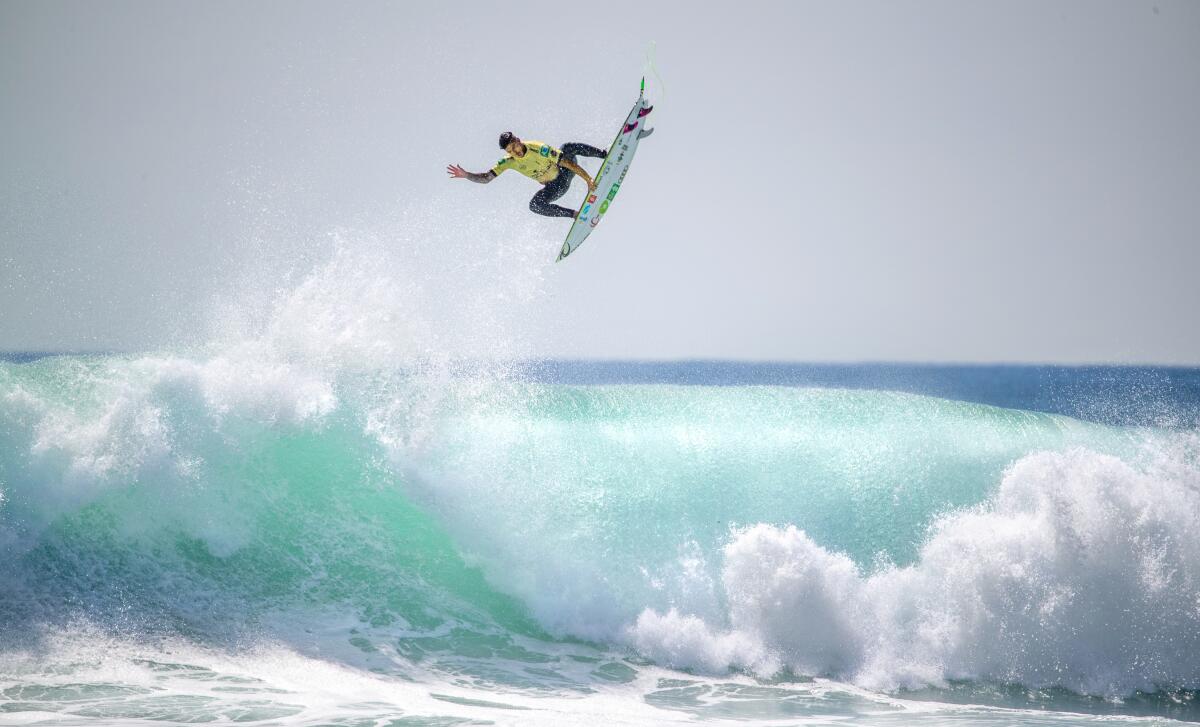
609	179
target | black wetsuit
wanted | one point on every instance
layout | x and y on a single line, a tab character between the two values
557	187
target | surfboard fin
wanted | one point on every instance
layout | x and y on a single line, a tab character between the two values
644	133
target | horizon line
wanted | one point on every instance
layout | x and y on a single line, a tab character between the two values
27	356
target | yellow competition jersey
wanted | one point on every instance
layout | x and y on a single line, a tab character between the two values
540	162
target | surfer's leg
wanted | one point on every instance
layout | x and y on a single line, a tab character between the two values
552	191
543	207
572	149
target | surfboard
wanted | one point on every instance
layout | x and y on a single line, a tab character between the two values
611	175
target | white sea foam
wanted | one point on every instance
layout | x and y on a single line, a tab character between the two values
84	672
137	421
1081	571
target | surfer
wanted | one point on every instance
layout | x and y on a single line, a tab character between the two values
553	168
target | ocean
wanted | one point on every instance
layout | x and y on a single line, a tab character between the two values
261	537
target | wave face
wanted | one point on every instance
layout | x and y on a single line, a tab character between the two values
883	539
326	517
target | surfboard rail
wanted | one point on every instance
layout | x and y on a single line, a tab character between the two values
611	175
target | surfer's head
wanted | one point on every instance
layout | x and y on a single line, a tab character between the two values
512	144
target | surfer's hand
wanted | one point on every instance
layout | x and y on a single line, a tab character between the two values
457	172
591	185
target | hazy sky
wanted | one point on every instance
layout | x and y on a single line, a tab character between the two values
928	181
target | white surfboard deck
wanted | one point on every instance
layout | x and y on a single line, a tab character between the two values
611	175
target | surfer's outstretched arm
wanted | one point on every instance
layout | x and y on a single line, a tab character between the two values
572	166
457	172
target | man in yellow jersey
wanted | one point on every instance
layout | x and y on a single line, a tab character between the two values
553	168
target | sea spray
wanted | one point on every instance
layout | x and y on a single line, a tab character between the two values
331	481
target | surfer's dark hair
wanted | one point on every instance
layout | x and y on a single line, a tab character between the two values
505	139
